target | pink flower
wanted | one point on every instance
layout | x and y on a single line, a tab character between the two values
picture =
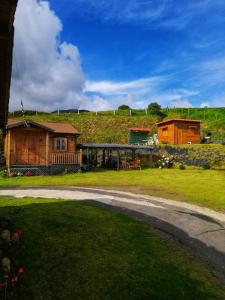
21	270
14	279
2	284
6	276
18	231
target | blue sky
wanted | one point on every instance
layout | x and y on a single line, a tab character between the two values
138	51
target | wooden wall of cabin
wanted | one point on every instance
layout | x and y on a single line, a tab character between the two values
187	132
27	146
166	134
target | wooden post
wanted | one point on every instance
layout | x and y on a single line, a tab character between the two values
87	157
47	149
133	155
118	160
103	157
81	157
8	151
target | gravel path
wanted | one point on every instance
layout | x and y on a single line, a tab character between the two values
200	229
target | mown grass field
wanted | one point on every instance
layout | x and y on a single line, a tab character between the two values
202	187
105	127
81	251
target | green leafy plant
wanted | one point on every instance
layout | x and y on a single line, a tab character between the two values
206	166
3	173
182	167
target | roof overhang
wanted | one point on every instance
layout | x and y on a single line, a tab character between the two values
20	124
178	120
28	123
7	13
139	129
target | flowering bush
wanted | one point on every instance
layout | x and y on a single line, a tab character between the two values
13	174
10	256
165	162
28	173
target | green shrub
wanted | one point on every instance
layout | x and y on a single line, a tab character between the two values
3	173
182	167
206	166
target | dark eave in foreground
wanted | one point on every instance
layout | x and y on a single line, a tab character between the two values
7	13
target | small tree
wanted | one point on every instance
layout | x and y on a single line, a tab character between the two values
124	107
154	108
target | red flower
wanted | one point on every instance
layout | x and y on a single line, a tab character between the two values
2	284
6	276
14	279
18	231
21	270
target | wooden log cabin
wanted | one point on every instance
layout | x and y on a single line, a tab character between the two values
41	146
179	131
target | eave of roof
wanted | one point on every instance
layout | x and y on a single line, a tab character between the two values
114	146
139	129
178	120
57	128
7	12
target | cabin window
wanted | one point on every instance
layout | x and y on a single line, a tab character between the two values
60	144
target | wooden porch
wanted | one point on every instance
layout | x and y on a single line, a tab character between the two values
65	158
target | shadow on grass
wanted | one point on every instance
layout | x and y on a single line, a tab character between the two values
79	250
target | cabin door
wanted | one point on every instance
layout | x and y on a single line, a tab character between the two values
27	149
179	135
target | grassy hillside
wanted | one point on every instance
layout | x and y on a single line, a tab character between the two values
107	127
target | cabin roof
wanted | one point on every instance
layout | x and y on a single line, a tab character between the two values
140	129
57	128
171	120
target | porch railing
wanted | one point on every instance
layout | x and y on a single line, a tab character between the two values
65	158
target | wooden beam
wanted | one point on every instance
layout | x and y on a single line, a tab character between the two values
81	157
8	151
118	160
47	148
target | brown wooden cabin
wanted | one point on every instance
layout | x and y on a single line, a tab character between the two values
29	143
179	131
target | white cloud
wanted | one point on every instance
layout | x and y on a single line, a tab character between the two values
161	13
180	103
139	86
47	73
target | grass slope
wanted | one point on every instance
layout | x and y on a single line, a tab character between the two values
80	251
202	187
109	128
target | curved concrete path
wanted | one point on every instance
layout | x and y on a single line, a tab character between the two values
201	229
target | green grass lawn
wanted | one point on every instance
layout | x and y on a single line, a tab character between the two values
82	251
202	187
